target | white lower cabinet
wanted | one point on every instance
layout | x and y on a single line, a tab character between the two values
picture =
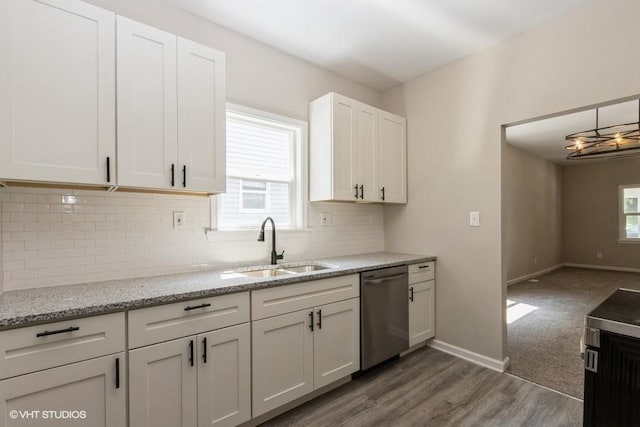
91	392
421	312
162	385
200	380
296	353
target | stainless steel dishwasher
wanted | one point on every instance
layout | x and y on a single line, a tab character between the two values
384	314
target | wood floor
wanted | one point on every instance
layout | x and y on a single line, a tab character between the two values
431	388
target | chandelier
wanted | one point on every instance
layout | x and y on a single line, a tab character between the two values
605	142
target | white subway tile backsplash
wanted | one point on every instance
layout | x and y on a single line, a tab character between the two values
48	240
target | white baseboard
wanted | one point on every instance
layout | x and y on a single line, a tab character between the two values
534	274
478	359
603	267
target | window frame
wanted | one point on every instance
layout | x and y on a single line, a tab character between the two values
622	216
266	192
298	194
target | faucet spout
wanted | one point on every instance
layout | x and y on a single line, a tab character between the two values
274	255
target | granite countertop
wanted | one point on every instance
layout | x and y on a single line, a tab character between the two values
32	306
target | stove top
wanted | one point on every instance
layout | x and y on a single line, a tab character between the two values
622	306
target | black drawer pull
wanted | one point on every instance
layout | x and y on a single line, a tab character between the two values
58	331
117	372
423	266
204	347
189	307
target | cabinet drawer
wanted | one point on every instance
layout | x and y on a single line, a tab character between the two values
45	346
167	322
286	299
421	272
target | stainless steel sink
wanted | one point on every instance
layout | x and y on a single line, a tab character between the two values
281	270
308	268
270	272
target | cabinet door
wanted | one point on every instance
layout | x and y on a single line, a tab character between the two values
421	312
345	147
282	360
88	387
201	117
393	158
162	385
147	106
57	91
224	377
367	160
336	341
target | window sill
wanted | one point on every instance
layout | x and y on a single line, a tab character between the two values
631	241
252	234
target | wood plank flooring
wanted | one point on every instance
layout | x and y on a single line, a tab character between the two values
431	388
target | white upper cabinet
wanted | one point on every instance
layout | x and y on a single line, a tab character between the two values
57	92
354	147
201	117
171	111
392	162
147	106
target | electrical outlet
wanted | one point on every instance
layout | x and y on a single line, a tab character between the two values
599	255
326	218
535	260
178	219
474	219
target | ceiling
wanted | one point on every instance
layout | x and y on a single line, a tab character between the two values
379	43
545	138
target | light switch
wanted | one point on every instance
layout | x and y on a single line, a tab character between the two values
474	219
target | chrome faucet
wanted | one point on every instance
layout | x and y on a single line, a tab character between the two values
274	255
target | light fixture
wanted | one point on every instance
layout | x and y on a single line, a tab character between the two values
605	142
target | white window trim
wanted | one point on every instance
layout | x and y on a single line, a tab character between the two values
299	185
266	192
622	222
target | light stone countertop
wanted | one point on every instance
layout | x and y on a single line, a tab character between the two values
39	305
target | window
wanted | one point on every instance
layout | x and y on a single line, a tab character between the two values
265	177
629	212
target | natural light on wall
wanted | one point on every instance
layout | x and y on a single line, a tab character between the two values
517	310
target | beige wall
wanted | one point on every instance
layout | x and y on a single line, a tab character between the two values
455	149
591	213
533	199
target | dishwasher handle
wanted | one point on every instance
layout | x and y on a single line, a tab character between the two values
383	279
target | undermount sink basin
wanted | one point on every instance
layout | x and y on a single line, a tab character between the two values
282	270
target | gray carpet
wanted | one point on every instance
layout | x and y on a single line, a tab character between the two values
544	345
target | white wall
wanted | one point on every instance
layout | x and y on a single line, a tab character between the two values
128	234
533	198
454	117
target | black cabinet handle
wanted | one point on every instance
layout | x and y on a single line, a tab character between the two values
191	352
204	351
173	175
382	193
58	331
423	266
108	169
411	296
189	307
362	191
117	372
311	320
319	319
184	176
356	188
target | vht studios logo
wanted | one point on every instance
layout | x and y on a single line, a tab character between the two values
47	415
